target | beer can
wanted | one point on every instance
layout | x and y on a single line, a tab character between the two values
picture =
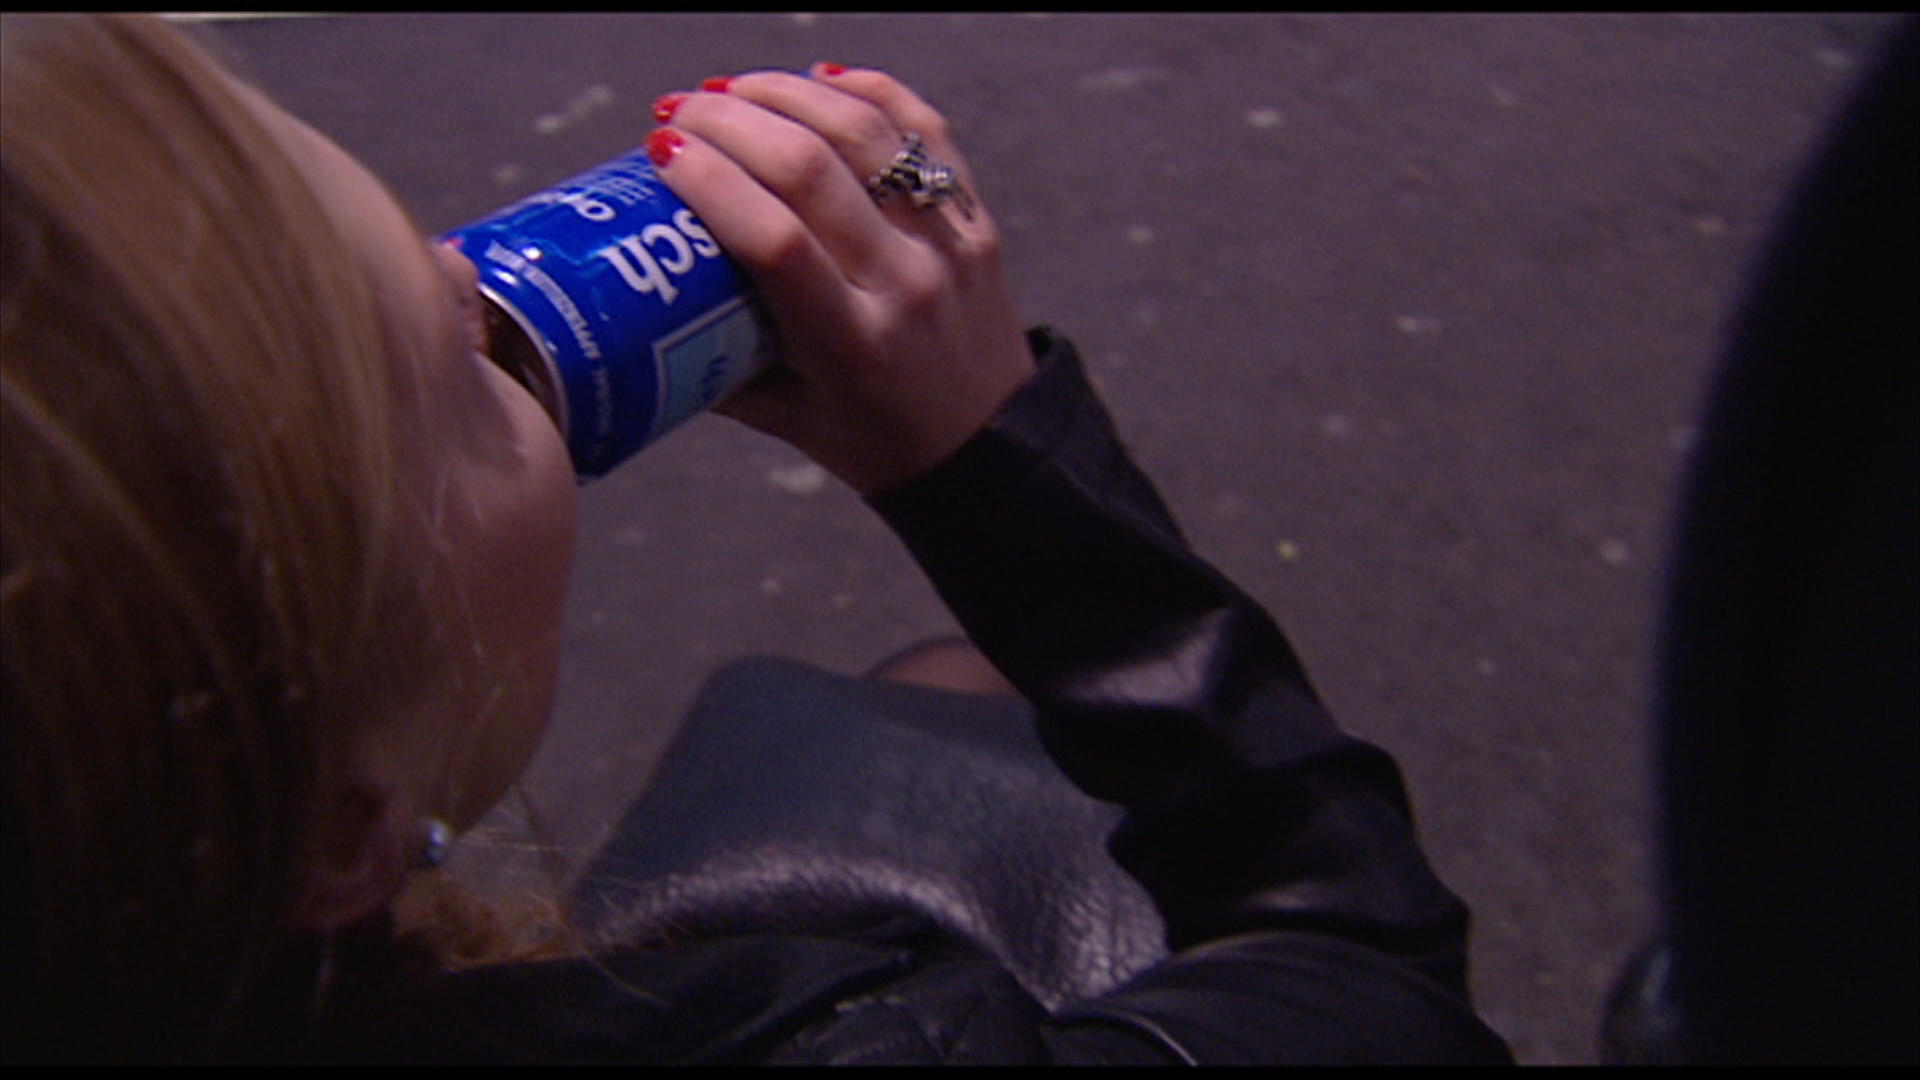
611	302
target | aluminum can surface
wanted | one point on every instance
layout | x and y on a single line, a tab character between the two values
611	301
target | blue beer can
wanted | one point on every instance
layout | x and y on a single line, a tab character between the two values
612	303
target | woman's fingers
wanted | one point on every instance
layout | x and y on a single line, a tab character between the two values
794	270
897	332
800	142
904	108
961	226
864	136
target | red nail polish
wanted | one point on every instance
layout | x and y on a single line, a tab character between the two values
832	69
717	84
663	146
665	106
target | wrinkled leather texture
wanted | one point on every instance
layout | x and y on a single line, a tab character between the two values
1160	685
1301	920
794	800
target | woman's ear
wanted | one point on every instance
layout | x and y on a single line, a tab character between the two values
357	862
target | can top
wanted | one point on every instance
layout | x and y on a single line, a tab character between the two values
516	349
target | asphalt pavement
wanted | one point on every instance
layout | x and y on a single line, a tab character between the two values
1408	315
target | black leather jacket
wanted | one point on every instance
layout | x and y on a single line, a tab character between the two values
1301	921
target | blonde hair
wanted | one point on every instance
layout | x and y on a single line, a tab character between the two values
210	537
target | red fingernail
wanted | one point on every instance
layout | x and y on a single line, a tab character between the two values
717	84
832	69
665	106
663	146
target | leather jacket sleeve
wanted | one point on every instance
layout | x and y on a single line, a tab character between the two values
1304	921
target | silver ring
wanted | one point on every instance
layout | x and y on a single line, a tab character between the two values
914	172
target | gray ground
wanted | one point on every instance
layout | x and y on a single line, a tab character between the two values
1408	315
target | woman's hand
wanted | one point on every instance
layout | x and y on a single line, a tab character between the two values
898	337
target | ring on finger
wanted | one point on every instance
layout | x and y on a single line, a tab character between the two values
925	180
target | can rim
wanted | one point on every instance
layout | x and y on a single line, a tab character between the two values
554	400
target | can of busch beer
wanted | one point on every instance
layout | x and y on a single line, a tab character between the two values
611	302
